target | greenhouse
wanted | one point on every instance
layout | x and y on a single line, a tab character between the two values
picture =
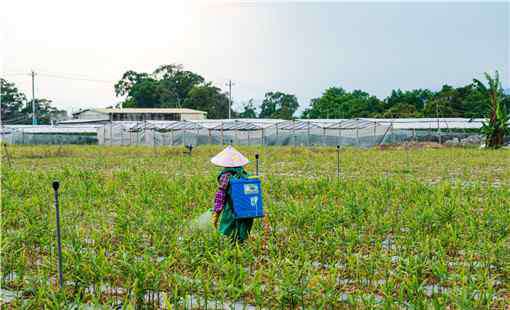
43	134
245	132
361	132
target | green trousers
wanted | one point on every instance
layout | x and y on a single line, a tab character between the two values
239	229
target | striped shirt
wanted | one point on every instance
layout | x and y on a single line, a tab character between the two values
221	195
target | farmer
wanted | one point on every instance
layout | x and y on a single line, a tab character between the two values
232	162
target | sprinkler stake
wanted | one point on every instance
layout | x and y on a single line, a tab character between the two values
56	185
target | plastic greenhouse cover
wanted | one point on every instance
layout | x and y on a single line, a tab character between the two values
429	123
51	129
236	125
256	124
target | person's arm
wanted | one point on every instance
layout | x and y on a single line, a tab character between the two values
220	198
221	194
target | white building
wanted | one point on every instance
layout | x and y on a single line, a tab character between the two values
134	114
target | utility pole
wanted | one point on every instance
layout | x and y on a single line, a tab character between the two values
34	118
229	84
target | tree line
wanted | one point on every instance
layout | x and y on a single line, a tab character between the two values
465	101
171	86
17	109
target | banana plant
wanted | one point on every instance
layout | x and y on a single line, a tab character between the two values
497	126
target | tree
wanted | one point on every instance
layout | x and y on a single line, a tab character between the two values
208	98
167	87
416	98
249	110
278	105
335	102
400	110
145	94
497	127
12	101
175	84
45	112
438	107
329	105
465	101
128	80
16	109
361	104
474	103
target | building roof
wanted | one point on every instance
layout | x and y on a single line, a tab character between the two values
146	110
84	121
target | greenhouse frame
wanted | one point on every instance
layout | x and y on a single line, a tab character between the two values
360	132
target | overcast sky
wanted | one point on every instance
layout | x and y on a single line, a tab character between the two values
299	48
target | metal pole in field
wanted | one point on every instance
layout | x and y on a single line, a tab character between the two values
59	241
437	117
7	154
338	162
222	135
257	164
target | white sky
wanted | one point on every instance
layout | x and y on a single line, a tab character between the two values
297	48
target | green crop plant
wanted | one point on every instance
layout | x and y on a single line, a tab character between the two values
435	234
497	126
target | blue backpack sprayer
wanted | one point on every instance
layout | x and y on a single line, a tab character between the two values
246	194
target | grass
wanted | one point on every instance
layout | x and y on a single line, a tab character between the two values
401	228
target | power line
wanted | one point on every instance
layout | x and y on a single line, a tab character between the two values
65	76
78	75
75	78
32	74
15	73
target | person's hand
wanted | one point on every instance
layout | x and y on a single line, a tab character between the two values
215	218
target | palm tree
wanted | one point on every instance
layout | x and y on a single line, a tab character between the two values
497	127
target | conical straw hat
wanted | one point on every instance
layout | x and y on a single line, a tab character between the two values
229	157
